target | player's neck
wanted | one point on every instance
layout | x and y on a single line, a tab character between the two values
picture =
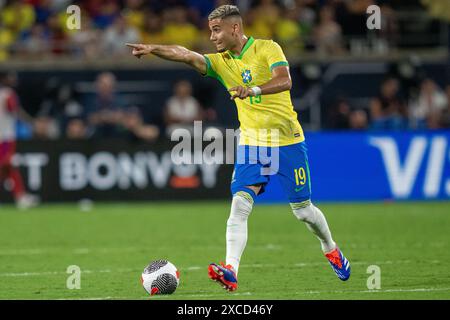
240	45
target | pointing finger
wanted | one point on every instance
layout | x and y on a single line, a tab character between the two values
132	45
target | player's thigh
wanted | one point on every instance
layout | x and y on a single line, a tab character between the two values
245	175
248	171
293	172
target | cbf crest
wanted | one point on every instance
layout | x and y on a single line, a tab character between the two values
246	76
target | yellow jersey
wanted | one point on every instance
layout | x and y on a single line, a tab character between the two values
265	120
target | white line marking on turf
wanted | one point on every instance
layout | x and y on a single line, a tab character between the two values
378	290
49	273
196	268
21	252
205	295
313	292
261	294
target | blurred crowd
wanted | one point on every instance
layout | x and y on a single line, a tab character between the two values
107	113
424	107
37	29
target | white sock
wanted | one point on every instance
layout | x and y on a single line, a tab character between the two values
316	223
241	207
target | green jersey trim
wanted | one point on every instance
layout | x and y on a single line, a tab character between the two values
211	73
278	64
247	45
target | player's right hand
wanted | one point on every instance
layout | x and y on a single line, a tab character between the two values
140	49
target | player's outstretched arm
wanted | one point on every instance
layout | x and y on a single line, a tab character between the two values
172	53
281	81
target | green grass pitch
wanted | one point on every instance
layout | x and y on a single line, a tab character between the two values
112	243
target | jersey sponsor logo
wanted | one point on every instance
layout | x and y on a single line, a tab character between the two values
247	76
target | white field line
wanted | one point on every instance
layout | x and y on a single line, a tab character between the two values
94	250
147	297
316	292
81	251
27	252
298	293
196	268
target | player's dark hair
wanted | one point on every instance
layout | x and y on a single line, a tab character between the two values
224	11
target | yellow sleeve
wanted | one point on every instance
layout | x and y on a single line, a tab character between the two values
212	66
275	56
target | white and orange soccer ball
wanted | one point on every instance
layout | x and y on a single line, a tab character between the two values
160	277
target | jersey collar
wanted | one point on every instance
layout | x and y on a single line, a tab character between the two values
247	45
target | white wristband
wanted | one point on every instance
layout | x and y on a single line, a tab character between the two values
256	90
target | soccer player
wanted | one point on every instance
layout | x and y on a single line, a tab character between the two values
9	113
256	73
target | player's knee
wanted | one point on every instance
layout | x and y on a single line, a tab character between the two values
304	211
241	206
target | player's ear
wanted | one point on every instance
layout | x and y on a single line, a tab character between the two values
234	27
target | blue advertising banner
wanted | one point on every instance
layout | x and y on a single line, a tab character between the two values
354	166
344	166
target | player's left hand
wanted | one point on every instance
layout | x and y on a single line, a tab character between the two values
241	92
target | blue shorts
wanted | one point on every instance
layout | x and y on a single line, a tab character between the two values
255	165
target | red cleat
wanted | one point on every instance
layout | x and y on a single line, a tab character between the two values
223	274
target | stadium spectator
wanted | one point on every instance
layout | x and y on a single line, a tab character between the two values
339	115
153	29
426	110
182	109
35	43
343	117
85	42
117	35
134	13
104	13
352	16
61	103
328	34
268	12
6	41
306	17
388	34
358	120
43	10
18	16
388	110
178	29
287	32
57	36
76	129
199	10
45	128
257	27
60	5
135	128
104	109
159	6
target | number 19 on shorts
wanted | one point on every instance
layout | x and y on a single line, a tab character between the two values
300	176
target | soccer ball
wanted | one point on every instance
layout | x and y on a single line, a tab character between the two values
160	277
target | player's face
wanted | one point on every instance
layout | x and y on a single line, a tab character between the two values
221	34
